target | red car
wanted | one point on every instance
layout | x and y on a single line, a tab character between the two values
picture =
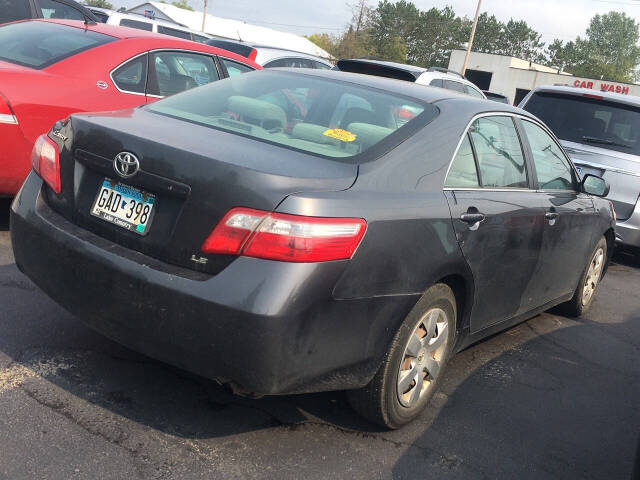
52	68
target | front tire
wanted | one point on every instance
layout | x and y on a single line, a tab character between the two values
415	362
589	281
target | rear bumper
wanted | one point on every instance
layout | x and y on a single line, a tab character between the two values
270	327
628	231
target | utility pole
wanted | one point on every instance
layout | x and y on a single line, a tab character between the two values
470	44
204	14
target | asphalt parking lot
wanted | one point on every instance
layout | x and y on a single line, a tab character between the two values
551	398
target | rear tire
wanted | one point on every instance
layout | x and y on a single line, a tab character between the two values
414	364
589	281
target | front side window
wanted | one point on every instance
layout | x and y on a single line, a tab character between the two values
53	9
174	72
473	92
552	168
127	22
12	10
235	68
437	82
463	172
315	115
455	86
132	76
40	44
292	62
320	65
499	153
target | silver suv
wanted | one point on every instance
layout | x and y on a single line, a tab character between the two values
601	133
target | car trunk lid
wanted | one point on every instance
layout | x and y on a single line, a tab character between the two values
196	173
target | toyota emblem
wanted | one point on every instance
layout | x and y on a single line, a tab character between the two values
126	164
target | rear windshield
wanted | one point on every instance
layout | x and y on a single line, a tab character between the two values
39	44
302	112
589	121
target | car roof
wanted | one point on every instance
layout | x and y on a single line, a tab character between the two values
266	54
115	31
580	92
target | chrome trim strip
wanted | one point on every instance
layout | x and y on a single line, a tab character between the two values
7	118
605	167
480	189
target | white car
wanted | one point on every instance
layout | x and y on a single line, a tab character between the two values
134	20
434	76
269	57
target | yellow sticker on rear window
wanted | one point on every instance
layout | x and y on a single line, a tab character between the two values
340	134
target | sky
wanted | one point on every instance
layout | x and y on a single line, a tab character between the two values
563	19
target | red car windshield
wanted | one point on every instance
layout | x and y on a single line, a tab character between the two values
38	44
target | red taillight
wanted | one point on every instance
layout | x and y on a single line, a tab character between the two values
283	237
45	159
591	95
6	113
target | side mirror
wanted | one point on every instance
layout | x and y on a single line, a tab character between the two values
595	185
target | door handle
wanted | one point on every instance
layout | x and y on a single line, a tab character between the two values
472	218
551	215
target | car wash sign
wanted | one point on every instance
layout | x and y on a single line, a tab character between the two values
602	86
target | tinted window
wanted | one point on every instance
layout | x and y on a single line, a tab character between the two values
589	121
235	68
552	168
473	92
174	32
251	105
290	63
234	47
53	9
132	76
127	22
176	72
101	16
320	65
200	38
463	172
437	82
40	44
12	10
499	152
455	86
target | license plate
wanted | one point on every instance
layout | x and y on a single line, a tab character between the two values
124	206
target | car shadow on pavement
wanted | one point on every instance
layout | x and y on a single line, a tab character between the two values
551	397
5	204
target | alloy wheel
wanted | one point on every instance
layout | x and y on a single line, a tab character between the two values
423	357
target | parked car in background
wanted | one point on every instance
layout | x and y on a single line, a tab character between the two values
288	252
496	97
269	57
601	133
132	20
12	10
434	76
52	68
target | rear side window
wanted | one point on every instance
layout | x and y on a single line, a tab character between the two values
499	152
455	86
473	92
200	38
132	76
40	44
174	32
463	172
290	63
235	68
101	16
437	82
174	72
320	65
552	168
127	22
12	10
53	9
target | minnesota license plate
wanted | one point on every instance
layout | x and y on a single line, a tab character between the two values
124	206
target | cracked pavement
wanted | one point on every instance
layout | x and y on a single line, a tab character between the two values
550	398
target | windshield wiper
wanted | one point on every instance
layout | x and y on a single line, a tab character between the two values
604	141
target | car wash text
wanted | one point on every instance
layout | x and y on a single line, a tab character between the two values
604	86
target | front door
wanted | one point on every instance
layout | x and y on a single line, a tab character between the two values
498	229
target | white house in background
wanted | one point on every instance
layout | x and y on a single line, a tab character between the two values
515	77
231	29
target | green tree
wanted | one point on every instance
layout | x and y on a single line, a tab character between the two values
390	21
324	41
488	34
99	4
518	39
182	4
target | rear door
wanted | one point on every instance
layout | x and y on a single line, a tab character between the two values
567	237
488	188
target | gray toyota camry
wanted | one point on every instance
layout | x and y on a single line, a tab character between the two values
298	231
